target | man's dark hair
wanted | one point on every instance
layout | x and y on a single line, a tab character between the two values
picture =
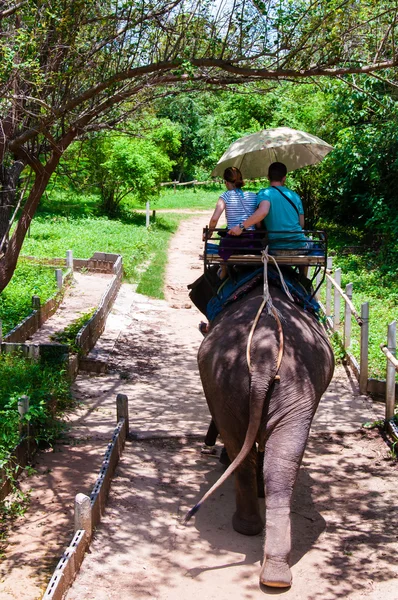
277	171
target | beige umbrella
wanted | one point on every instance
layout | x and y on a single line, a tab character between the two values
254	153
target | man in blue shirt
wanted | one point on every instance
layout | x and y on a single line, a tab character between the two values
282	211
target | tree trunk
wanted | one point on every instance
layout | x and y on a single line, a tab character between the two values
8	191
9	260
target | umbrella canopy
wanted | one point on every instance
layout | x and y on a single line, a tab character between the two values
254	153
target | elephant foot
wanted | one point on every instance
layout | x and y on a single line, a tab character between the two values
275	572
252	526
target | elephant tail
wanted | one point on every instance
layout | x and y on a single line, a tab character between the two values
256	403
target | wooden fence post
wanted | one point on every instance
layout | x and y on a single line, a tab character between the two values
69	259
317	281
347	317
147	215
83	515
175	185
122	410
328	300
58	277
336	303
23	407
364	358
390	378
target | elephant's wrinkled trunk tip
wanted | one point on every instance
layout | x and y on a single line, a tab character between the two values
191	513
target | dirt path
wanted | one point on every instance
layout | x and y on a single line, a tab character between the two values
83	295
344	508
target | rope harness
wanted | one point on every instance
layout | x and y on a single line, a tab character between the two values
267	303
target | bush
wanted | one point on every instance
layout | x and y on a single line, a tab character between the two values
48	389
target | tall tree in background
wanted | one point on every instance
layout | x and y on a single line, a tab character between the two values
70	66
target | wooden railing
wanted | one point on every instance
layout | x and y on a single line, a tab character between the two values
389	350
332	311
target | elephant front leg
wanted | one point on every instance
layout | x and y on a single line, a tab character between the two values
247	519
281	466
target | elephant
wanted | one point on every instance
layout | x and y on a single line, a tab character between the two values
267	409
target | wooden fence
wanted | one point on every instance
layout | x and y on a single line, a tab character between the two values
195	182
333	296
389	350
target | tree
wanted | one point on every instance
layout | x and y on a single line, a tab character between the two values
71	66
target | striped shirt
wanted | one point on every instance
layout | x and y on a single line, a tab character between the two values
239	206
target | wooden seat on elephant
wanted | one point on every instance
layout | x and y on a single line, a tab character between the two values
314	254
248	252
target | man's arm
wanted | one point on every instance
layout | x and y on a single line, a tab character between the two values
261	212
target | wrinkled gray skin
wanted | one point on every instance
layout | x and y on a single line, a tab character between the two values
281	412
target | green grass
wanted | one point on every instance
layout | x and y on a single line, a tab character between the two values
144	250
16	300
188	198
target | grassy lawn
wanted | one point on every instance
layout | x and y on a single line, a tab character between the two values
16	300
199	198
143	250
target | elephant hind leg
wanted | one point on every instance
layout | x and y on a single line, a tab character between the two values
247	519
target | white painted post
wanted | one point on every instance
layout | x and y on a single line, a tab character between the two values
36	302
83	515
328	301
336	304
390	379
347	317
36	306
69	259
122	410
317	281
23	407
364	358
58	277
147	215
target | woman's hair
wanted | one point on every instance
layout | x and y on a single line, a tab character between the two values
233	175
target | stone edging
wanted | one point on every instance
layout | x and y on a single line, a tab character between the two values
89	334
88	518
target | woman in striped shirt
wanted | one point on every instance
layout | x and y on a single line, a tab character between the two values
238	206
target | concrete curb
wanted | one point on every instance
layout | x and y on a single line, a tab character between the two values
88	514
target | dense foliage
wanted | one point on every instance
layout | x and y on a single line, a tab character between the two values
48	391
70	68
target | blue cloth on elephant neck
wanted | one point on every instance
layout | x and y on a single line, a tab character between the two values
231	290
